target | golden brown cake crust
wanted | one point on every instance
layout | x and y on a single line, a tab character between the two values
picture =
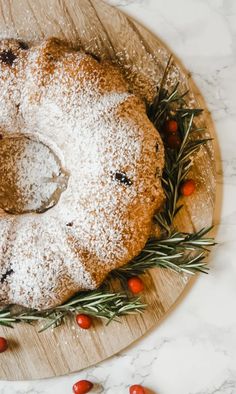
86	165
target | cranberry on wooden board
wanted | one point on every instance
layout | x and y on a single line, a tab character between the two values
170	126
3	344
82	387
84	321
137	389
187	187
135	285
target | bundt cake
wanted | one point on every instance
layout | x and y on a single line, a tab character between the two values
80	172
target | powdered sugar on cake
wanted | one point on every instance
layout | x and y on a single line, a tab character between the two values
99	157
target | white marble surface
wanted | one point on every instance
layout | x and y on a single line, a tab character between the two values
194	350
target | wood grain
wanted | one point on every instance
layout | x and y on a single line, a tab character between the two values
105	31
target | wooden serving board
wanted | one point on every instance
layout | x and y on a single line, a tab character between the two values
105	31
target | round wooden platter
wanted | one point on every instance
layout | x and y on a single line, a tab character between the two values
107	32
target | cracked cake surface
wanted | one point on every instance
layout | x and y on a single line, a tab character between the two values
79	174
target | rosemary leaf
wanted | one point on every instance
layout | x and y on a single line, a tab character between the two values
105	305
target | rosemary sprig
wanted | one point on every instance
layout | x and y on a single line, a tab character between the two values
180	252
159	109
171	104
177	165
103	304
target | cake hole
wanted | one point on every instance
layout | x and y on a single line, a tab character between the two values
31	175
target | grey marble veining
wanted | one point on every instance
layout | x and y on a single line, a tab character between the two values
194	350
